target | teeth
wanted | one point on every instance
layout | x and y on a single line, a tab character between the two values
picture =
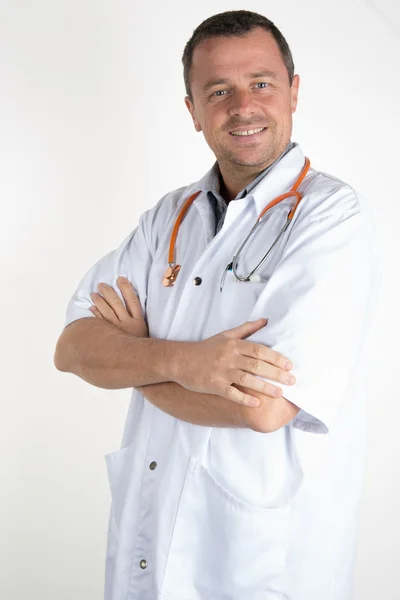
250	132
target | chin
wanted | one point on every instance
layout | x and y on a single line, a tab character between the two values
250	161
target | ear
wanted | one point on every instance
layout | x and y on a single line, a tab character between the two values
294	92
191	109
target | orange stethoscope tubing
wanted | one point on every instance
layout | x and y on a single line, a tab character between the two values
173	269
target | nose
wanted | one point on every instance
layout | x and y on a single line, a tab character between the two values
241	103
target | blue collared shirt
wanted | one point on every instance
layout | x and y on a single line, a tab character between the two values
216	200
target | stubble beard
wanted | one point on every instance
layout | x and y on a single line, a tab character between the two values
265	155
234	158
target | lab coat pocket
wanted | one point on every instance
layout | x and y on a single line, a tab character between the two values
237	300
223	547
118	468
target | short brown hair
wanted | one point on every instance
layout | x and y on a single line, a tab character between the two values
233	23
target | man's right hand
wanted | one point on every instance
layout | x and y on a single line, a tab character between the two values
219	363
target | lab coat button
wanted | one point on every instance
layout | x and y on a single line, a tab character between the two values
152	465
143	564
197	281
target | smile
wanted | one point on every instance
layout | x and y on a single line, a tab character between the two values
249	132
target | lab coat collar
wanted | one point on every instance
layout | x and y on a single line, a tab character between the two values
278	181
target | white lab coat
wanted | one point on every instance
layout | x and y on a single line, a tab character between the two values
232	514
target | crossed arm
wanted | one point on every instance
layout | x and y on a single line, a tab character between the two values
214	411
115	334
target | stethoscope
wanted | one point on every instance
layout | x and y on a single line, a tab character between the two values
173	269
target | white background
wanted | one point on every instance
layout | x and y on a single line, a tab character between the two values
93	131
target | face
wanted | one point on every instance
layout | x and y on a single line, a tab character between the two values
240	85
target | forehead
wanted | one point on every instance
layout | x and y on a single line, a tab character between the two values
222	56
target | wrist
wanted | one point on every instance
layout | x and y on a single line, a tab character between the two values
176	361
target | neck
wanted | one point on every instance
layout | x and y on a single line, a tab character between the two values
234	178
232	181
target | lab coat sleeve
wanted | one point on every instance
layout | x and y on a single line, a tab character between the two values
318	302
132	259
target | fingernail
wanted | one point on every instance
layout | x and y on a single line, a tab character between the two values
254	402
123	279
288	365
290	379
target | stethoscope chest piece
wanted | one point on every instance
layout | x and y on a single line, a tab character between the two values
170	275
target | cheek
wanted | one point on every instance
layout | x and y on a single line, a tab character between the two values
277	106
212	122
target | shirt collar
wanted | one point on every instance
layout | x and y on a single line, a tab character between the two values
211	180
279	179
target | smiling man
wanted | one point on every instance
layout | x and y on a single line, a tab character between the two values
243	108
241	466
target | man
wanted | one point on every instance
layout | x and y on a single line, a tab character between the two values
224	487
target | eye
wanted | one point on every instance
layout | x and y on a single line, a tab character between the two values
262	83
219	93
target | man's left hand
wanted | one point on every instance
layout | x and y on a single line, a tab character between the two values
109	306
129	318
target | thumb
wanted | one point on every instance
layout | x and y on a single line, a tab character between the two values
246	329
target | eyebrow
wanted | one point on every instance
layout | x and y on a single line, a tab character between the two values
264	73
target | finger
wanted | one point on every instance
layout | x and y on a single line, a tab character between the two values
230	392
247	380
266	354
131	298
104	308
113	300
246	329
261	397
96	312
264	369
